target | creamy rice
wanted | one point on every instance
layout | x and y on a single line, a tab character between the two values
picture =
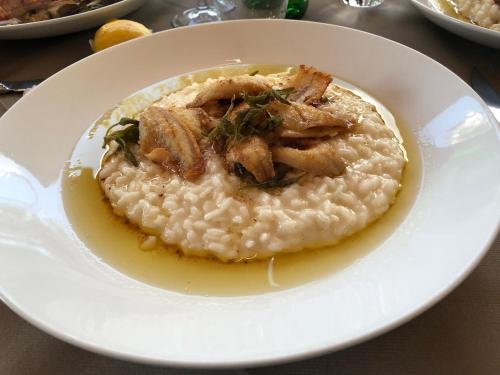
214	216
485	13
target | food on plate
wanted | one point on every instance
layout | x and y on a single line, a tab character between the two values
253	165
117	31
485	13
21	11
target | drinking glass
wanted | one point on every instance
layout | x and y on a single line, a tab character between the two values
363	3
202	13
251	8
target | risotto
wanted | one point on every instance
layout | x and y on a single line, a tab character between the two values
485	13
250	166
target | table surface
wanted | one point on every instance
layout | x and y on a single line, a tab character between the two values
459	335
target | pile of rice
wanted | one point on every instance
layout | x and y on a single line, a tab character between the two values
214	216
485	13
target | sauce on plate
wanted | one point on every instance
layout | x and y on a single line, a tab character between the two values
118	243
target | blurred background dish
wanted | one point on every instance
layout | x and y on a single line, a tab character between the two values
13	12
68	23
446	17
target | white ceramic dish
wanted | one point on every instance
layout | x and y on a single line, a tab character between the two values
52	280
466	30
69	24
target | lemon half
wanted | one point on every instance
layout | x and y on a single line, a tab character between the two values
118	31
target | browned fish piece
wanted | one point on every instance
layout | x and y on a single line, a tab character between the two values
298	117
215	109
226	88
319	159
317	132
237	108
166	137
254	154
300	143
255	116
195	119
309	84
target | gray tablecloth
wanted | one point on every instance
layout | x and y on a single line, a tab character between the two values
460	335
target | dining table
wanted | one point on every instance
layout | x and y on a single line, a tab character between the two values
458	335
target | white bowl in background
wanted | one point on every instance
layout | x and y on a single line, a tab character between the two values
466	30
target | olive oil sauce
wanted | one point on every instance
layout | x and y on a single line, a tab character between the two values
118	243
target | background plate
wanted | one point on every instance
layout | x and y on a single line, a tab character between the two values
469	31
69	24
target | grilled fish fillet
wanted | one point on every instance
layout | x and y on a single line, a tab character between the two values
298	117
316	132
309	84
320	159
254	154
226	88
168	137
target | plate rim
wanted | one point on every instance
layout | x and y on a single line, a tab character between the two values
305	353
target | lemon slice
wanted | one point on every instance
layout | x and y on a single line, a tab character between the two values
117	31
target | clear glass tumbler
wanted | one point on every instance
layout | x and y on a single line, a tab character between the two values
239	9
202	13
363	3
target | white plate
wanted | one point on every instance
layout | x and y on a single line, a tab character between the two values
469	31
52	280
69	24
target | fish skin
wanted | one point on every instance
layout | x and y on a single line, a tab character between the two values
298	116
320	160
254	154
166	139
226	88
309	83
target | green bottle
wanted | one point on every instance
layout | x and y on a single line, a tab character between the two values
296	9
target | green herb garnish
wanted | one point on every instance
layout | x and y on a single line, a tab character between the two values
253	73
278	181
124	137
224	127
252	120
264	98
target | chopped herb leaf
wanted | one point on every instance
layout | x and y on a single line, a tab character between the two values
253	119
224	126
124	137
253	73
264	98
279	180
